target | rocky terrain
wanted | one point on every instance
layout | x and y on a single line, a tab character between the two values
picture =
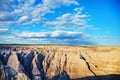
59	63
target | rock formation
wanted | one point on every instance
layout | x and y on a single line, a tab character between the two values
37	68
59	63
14	63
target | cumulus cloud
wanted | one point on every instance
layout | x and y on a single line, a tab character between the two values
23	18
56	34
51	37
78	20
3	29
34	34
58	3
7	32
57	37
15	11
68	27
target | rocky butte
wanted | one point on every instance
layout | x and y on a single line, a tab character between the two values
59	63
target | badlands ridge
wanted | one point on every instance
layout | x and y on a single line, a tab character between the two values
59	63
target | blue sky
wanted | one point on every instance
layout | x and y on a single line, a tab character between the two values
86	22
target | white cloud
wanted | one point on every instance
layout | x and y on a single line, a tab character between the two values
35	12
23	18
6	23
78	21
3	29
33	34
54	37
32	1
2	16
58	3
51	37
69	26
7	37
55	34
17	11
20	0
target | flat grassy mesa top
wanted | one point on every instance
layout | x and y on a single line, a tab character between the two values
59	62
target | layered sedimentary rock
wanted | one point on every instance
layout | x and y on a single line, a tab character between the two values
59	63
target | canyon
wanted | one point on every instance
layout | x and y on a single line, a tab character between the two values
55	62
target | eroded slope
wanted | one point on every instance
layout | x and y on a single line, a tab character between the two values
58	62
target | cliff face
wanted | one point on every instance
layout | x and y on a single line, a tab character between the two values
58	62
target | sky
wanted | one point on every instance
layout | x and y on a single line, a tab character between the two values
79	22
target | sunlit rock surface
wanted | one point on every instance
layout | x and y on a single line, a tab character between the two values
59	63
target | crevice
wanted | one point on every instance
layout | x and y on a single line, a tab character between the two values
38	63
26	60
94	64
88	65
49	58
4	57
88	56
65	62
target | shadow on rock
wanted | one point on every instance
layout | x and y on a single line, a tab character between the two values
103	77
62	76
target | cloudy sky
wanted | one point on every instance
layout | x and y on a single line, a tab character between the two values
88	22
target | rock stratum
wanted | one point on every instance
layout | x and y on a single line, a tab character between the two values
59	63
